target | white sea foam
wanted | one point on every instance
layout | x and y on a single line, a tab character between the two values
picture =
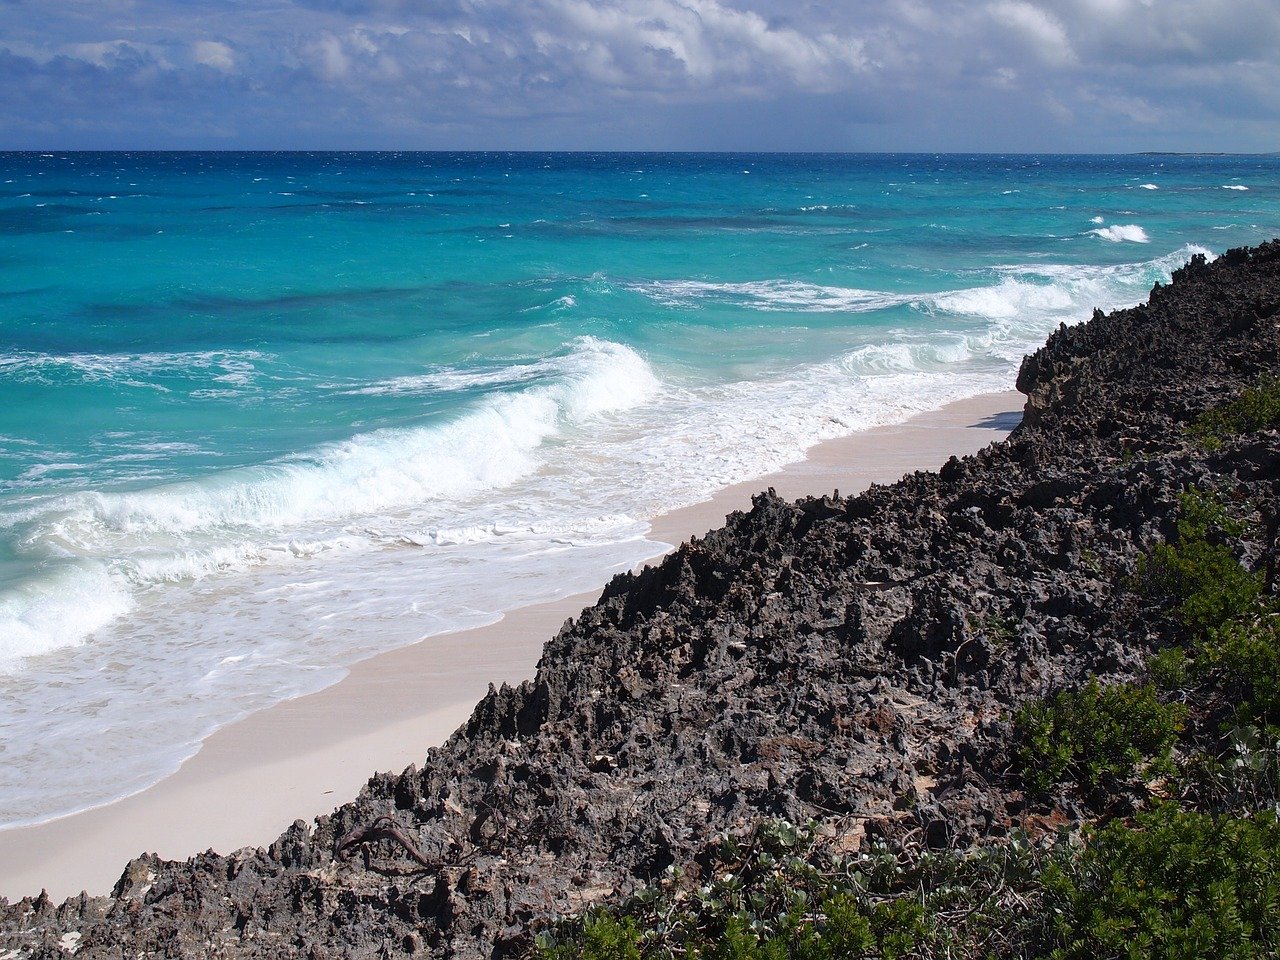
61	608
486	448
1117	233
1009	298
237	366
775	295
1234	186
1035	293
617	526
1038	296
454	381
243	517
1149	186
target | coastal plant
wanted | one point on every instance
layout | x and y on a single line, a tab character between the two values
999	631
1256	408
1233	654
1242	777
1240	660
1096	737
1199	573
608	938
1175	883
1169	883
1169	669
812	903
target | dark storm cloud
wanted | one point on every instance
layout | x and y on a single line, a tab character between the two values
763	74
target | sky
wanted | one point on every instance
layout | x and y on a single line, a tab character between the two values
928	75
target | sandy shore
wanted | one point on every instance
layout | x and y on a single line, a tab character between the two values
306	756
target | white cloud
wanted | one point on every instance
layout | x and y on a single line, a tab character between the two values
328	56
1043	32
1134	109
109	53
676	43
212	53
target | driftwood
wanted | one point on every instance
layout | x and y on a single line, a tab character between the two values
383	828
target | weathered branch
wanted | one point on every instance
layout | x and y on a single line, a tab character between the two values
383	828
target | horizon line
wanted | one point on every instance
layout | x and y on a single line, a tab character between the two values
50	151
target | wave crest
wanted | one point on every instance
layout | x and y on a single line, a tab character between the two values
1119	233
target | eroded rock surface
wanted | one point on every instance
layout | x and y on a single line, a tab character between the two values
853	660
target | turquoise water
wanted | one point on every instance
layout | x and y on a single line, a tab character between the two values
267	414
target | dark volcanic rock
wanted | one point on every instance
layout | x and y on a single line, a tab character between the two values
851	660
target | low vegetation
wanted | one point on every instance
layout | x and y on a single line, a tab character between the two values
1198	573
1174	883
1171	883
1099	738
1256	408
784	893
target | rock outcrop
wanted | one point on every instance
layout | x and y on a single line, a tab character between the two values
851	660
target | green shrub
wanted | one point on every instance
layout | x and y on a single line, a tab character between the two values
1171	884
781	894
603	937
1169	668
1207	582
1200	573
1256	407
1234	654
1241	660
844	932
1243	776
1094	737
1178	884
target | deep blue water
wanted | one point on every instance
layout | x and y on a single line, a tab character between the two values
265	414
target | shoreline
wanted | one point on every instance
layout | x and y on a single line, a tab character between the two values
303	757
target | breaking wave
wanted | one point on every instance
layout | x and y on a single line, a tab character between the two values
1118	233
95	548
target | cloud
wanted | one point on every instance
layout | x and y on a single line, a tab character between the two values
1174	31
212	53
117	54
923	74
328	56
1040	30
642	43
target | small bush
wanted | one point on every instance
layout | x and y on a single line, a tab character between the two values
604	937
1169	668
1244	776
1200	573
1094	737
1257	407
1241	660
844	931
781	894
1178	884
1207	582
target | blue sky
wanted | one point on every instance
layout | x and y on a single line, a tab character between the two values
1033	75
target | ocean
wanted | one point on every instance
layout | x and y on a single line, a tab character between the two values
263	415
